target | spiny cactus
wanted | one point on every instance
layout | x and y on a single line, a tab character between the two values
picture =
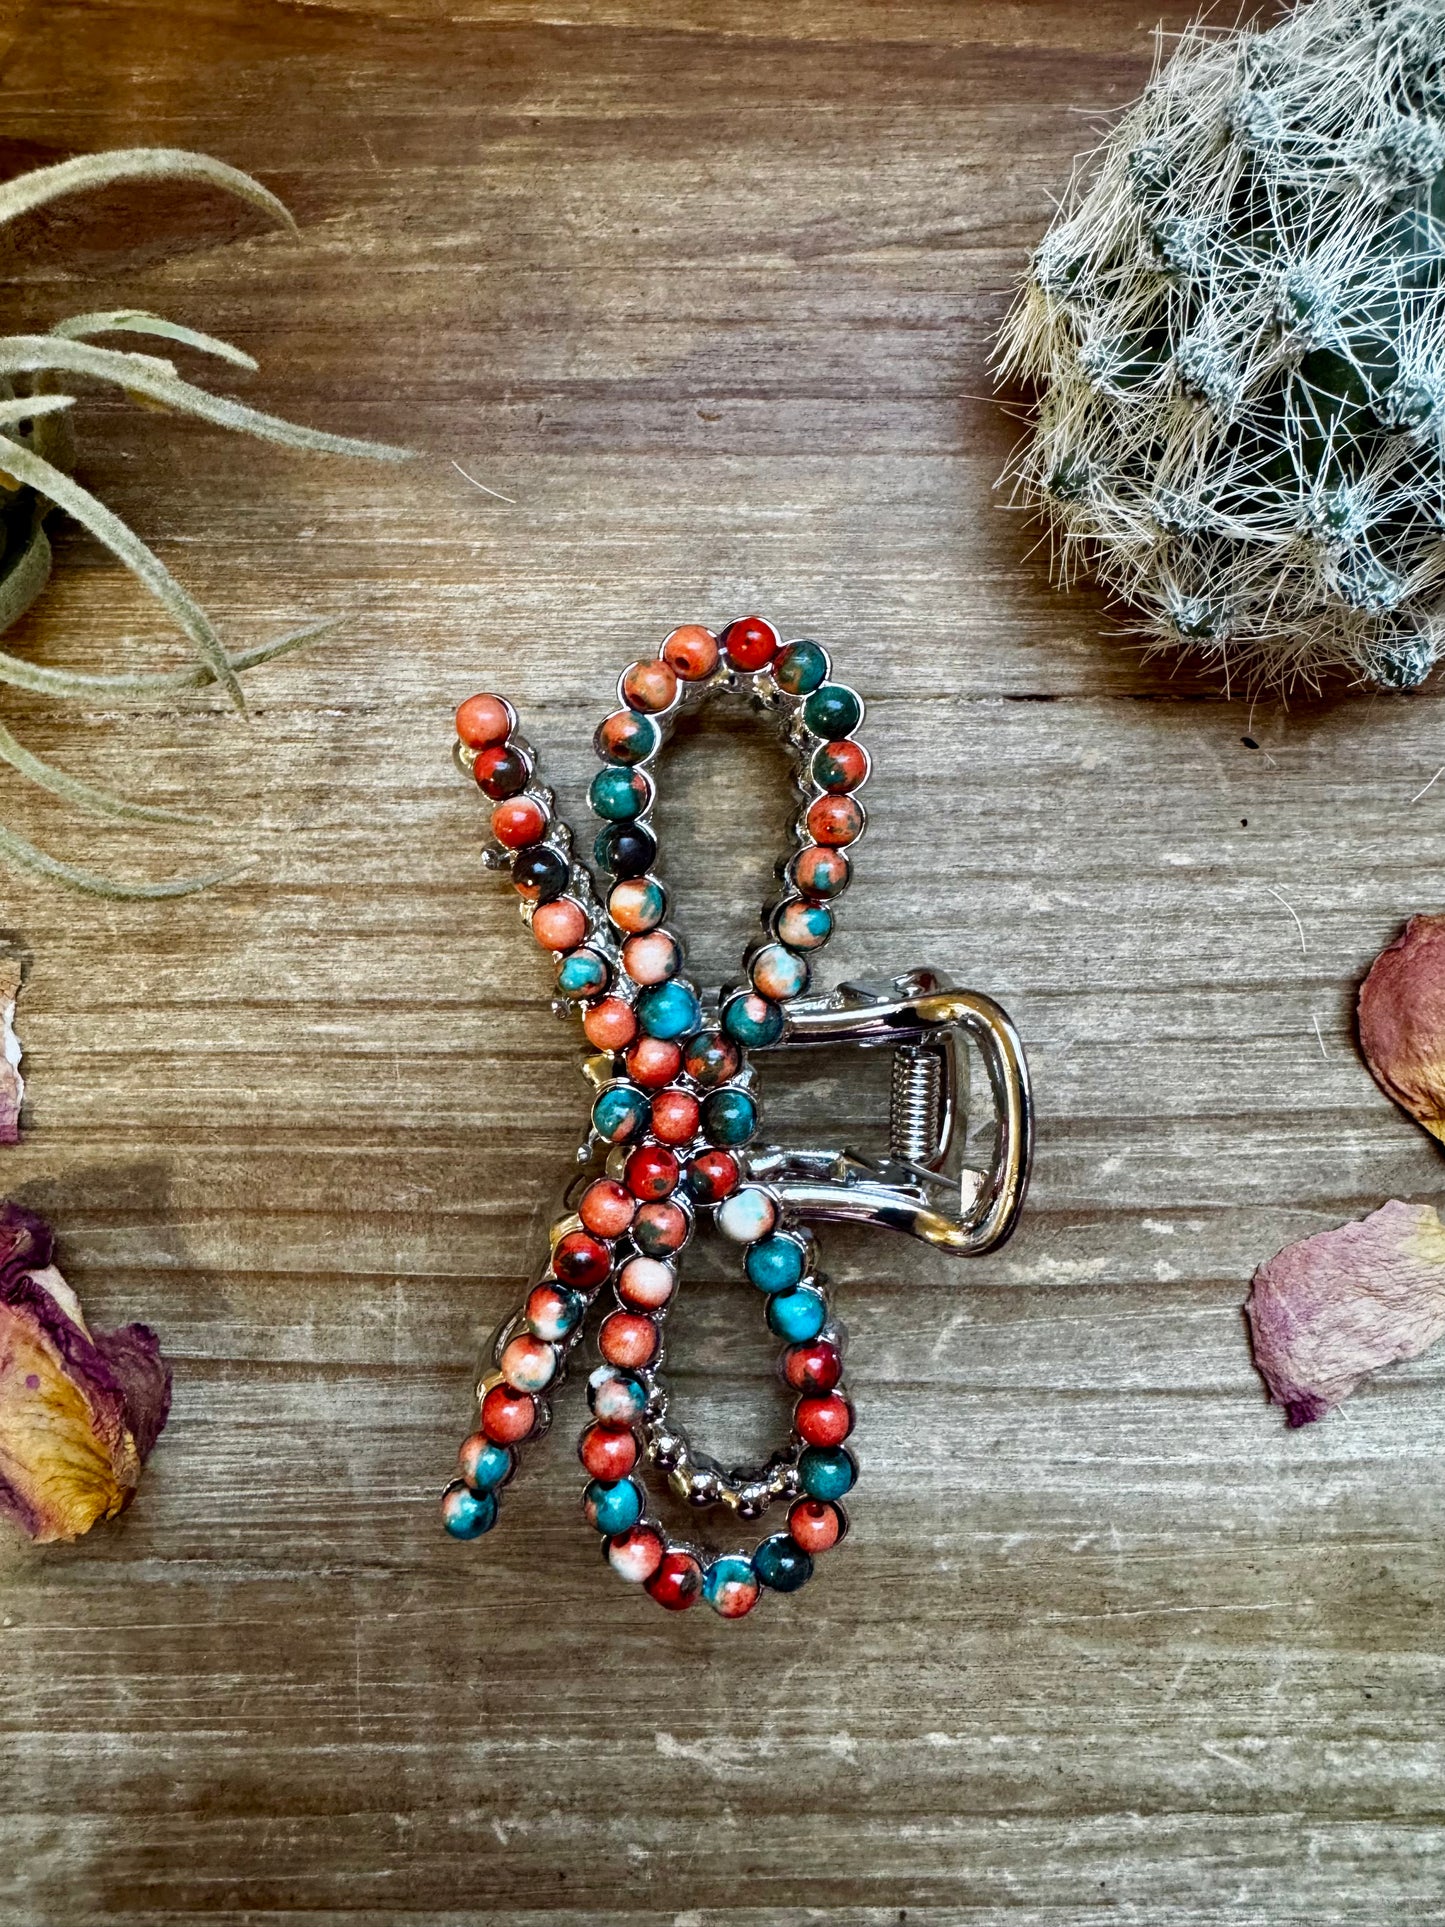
1236	326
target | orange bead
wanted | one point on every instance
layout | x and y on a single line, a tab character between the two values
675	1116
835	820
606	1209
649	686
653	1062
628	1339
518	822
484	720
610	1025
692	651
560	925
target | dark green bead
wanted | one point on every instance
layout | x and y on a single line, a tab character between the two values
619	794
782	1564
753	1021
827	1471
832	711
729	1117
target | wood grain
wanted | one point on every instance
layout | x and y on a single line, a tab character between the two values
708	292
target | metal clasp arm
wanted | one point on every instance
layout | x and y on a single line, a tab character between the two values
897	1192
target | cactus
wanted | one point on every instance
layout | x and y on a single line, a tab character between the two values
1235	327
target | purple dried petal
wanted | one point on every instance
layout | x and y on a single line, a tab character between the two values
1402	1021
1326	1312
134	1356
78	1414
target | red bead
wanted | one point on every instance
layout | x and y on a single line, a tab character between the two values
651	1172
660	1229
835	820
712	1176
629	1339
826	1419
674	1116
519	822
691	651
580	1261
484	720
606	1209
635	1555
508	1417
653	1062
649	686
610	1025
813	1367
840	766
677	1583
500	772
815	1525
607	1453
559	926
751	643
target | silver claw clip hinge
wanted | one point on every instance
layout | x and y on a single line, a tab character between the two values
919	1018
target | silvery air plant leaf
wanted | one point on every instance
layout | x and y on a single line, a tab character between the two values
79	1410
1326	1312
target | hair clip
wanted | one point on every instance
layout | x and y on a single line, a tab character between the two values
671	1136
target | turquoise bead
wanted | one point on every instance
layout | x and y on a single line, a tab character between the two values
486	1466
833	710
774	1264
782	1564
728	1117
800	667
612	1508
752	1021
827	1471
796	1315
669	1010
467	1514
620	1112
619	794
582	973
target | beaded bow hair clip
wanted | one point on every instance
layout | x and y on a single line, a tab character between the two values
672	1132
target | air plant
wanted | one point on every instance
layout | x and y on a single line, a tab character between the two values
37	373
1236	328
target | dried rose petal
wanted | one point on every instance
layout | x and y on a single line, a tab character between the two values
1402	1021
79	1412
1329	1310
12	1085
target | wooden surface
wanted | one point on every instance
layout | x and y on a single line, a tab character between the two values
707	291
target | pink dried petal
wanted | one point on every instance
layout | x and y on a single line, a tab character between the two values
12	1085
1326	1312
1402	1021
78	1414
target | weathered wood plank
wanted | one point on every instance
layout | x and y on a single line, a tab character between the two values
708	291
